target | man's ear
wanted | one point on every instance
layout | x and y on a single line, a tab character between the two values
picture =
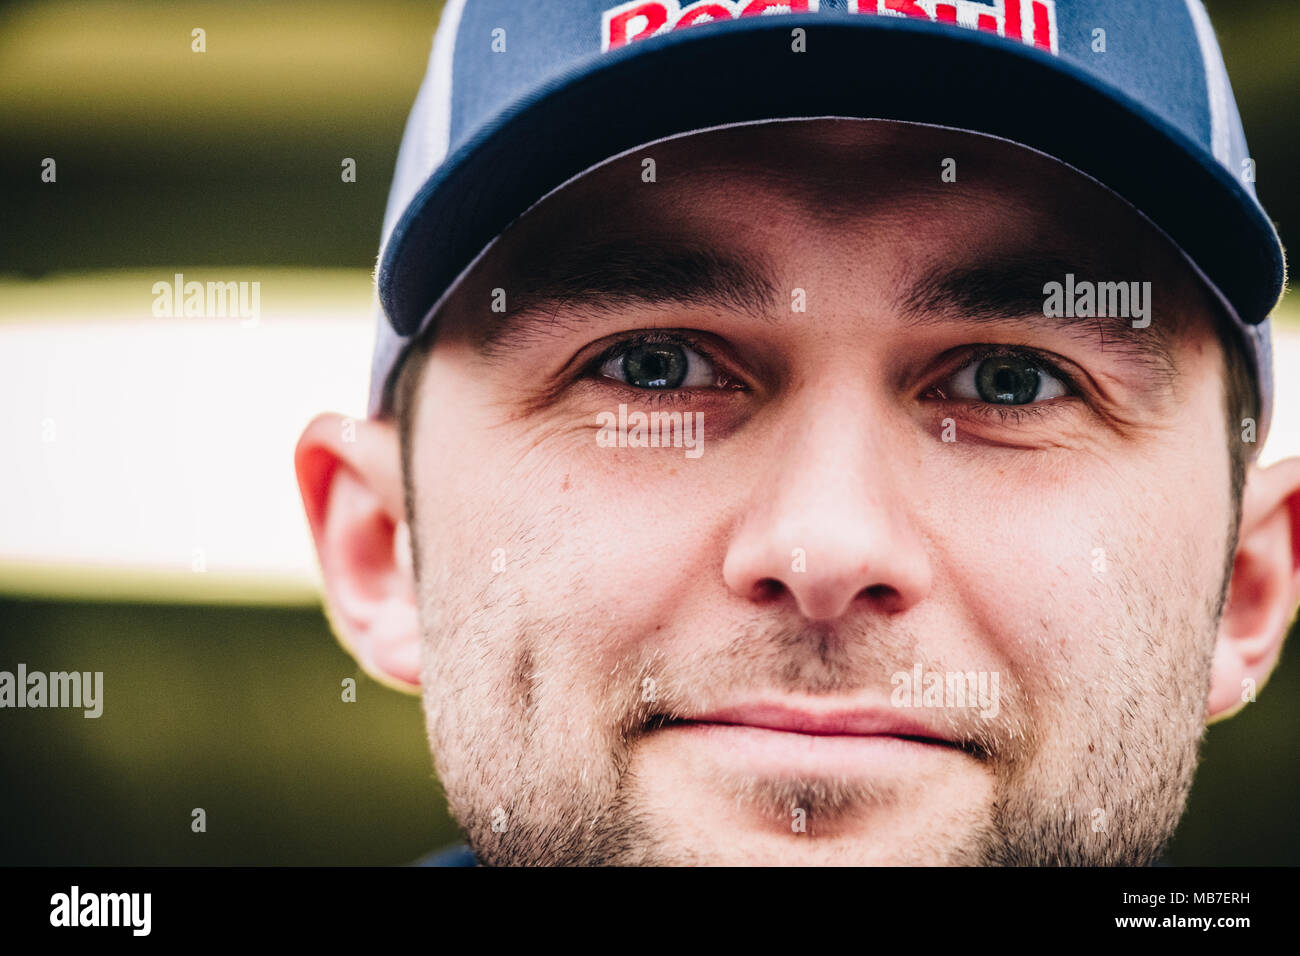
1265	586
350	477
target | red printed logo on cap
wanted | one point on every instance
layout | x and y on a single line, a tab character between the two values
1030	21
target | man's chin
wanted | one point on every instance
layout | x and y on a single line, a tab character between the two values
871	839
726	815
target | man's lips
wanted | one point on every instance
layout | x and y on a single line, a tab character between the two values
873	722
780	739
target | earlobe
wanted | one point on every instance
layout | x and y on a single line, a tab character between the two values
349	475
1264	590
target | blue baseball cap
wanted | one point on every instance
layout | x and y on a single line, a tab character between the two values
522	97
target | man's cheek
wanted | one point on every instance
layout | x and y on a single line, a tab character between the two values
629	562
1028	556
570	537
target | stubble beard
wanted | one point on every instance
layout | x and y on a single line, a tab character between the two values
533	781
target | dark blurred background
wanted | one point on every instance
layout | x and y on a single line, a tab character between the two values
233	158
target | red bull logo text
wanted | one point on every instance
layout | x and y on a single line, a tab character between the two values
1030	21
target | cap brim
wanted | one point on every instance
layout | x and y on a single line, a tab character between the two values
869	67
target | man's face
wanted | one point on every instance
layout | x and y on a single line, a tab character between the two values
905	478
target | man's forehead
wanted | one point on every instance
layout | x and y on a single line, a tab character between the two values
782	181
734	219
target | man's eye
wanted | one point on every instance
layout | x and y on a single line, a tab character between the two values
1013	378
658	365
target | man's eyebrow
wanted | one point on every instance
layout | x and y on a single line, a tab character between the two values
596	279
575	284
1010	289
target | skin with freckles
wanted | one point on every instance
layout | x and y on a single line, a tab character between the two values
905	469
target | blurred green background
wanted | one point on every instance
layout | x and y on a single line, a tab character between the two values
232	158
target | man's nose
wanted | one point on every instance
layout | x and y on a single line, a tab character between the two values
828	522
